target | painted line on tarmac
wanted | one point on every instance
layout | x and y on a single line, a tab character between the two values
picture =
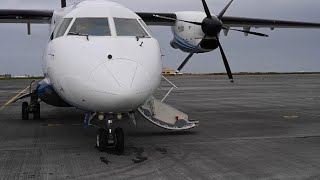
12	99
54	125
291	117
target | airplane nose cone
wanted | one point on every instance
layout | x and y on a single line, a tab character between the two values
122	83
120	76
123	71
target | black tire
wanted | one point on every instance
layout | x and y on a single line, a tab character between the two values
102	140
119	137
36	113
25	111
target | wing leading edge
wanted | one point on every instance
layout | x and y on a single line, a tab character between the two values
151	20
25	16
44	17
265	23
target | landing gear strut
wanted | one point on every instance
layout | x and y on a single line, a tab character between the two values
110	137
25	111
33	107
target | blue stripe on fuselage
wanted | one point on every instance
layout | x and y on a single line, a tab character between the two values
43	86
183	42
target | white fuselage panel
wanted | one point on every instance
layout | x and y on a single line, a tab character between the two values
103	73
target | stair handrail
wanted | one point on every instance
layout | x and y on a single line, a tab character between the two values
173	86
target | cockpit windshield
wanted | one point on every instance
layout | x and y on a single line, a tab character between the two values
61	28
129	27
91	26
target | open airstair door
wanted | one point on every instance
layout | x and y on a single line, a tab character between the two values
165	116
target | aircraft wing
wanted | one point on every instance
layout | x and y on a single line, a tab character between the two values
265	23
230	21
151	20
44	17
25	16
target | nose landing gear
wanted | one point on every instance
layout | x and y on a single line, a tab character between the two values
110	138
33	107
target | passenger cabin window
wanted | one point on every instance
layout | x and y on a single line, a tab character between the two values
129	27
90	26
61	28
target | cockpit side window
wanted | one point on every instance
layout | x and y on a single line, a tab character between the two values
129	27
91	26
61	28
145	26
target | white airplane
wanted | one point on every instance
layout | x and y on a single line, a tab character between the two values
102	58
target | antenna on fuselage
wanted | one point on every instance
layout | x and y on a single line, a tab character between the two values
63	3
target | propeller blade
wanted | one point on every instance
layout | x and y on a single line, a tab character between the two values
169	18
206	9
190	55
224	10
249	32
225	61
63	3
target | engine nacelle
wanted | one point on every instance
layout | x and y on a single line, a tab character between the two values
187	36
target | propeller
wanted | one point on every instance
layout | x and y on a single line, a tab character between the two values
190	55
224	10
206	9
225	61
211	27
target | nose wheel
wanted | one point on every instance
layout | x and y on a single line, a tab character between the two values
107	141
25	111
119	137
107	138
102	139
33	108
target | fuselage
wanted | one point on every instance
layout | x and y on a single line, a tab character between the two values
102	58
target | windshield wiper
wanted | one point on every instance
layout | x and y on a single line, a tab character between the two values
141	36
79	34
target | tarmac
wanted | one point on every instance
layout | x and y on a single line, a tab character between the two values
260	127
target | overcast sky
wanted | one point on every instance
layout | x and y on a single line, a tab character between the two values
286	50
